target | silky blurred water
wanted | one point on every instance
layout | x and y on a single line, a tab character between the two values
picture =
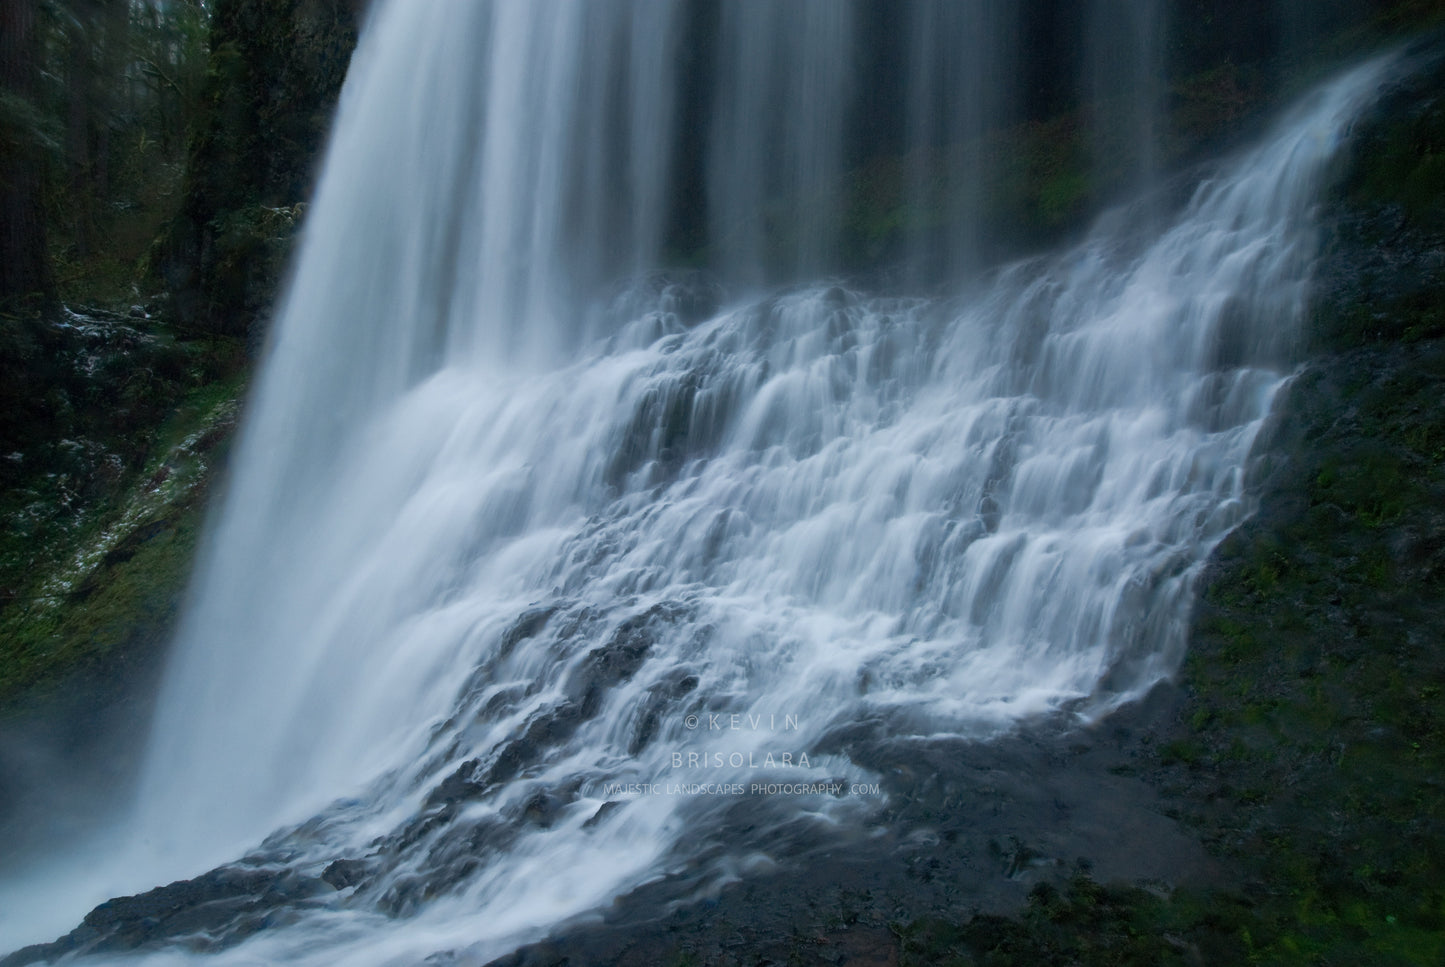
499	536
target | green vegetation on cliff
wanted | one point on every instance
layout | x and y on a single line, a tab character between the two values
101	524
173	140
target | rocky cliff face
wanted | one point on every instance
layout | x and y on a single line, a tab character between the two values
1310	749
275	73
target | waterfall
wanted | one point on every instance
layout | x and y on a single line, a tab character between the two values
524	535
960	57
1126	70
774	57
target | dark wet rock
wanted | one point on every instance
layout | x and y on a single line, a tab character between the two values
661	430
455	848
1231	340
660	698
989	513
427	823
461	785
620	658
966	827
516	754
1384	262
540	809
691	297
646	727
213	911
842	336
510	758
681	684
444	853
525	627
345	873
601	814
882	359
404	896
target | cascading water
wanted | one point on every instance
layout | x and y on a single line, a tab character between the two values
496	546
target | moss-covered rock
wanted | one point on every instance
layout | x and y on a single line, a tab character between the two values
1317	757
102	502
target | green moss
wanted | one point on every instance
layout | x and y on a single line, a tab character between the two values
1323	638
1406	167
1034	181
1180	750
104	585
126	602
1206	105
1088	923
110	405
1062	196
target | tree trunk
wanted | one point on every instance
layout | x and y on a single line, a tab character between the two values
25	272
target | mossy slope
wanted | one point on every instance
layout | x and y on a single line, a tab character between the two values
100	528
